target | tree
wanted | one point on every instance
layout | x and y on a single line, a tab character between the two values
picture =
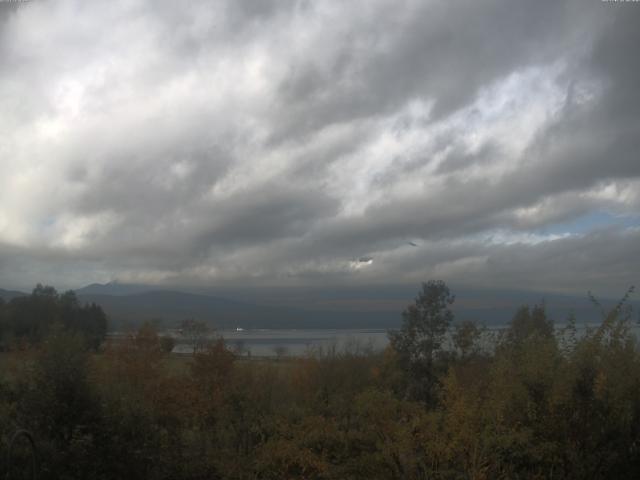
60	392
280	351
60	405
418	343
31	317
530	321
466	339
196	333
167	343
212	366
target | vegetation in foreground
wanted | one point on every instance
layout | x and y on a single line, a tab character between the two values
538	404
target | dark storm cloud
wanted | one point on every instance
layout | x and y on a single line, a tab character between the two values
156	187
443	52
581	149
288	141
272	212
576	264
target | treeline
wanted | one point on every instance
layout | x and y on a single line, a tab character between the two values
444	401
28	319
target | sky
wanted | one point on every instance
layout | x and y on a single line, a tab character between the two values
489	143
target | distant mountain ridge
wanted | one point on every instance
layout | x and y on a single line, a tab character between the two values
131	305
114	288
170	307
7	295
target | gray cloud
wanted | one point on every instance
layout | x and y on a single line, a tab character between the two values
284	142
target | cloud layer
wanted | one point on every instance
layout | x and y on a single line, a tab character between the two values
320	142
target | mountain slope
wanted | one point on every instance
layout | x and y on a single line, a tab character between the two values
343	308
113	288
7	295
171	307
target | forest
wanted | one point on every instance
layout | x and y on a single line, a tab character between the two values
445	400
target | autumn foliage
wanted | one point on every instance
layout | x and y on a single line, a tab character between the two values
446	400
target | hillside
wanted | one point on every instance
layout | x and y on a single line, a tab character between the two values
128	305
7	295
171	307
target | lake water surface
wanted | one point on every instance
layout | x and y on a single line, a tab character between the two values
267	343
298	342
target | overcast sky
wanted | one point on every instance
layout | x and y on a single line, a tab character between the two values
491	143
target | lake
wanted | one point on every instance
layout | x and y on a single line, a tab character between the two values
268	343
298	342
